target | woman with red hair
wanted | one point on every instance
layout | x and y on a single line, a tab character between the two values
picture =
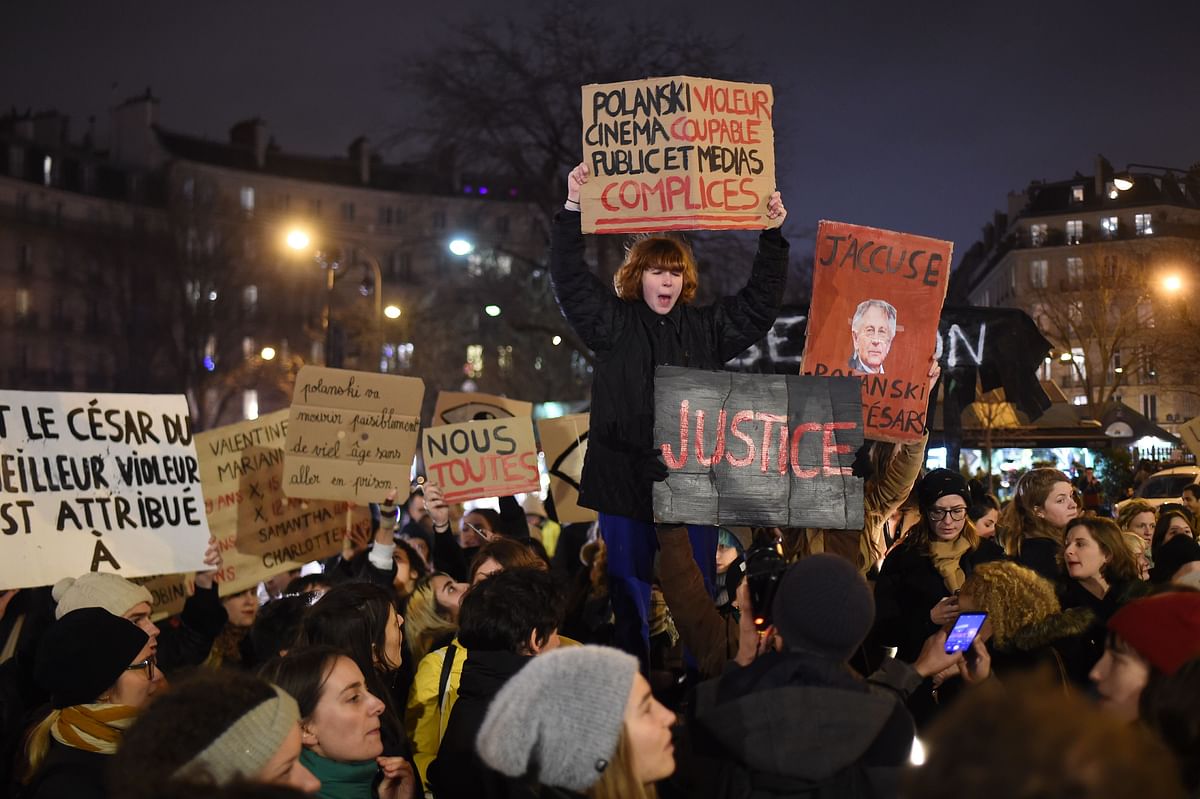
648	322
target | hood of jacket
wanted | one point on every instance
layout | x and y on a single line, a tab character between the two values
1055	627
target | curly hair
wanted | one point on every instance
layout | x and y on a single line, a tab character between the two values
656	252
1013	595
1122	566
1132	509
1020	520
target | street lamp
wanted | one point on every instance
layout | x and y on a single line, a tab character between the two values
268	353
1124	180
300	240
461	247
492	310
392	312
1173	284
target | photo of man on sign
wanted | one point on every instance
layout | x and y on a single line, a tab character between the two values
871	333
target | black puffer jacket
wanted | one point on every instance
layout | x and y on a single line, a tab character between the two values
629	340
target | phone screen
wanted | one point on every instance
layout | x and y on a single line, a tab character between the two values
962	635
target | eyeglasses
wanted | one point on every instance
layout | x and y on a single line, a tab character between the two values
957	514
148	664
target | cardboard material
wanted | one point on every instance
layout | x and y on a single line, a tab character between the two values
97	482
893	284
351	435
564	443
677	153
759	450
457	406
1190	433
487	458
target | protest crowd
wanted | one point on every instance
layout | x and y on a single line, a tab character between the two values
495	652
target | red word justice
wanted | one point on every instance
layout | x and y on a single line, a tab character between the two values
774	428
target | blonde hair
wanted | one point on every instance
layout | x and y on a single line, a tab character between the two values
1013	595
1137	545
37	744
1020	520
424	620
618	780
1132	509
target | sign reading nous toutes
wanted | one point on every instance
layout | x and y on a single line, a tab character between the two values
772	450
97	482
351	435
677	153
877	297
484	458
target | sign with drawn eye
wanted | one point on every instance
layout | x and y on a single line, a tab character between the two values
564	443
454	407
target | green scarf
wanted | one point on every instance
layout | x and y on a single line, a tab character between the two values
341	780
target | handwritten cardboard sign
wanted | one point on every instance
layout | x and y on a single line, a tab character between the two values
677	153
97	482
457	406
564	442
877	297
485	458
351	435
771	450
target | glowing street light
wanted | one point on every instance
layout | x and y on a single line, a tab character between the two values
461	247
492	310
556	340
1172	283
1065	357
392	312
1123	182
268	353
298	239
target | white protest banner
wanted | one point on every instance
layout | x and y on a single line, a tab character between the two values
97	482
351	435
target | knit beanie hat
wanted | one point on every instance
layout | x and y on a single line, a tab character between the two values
98	590
1172	556
248	744
941	483
1164	629
823	606
560	717
84	653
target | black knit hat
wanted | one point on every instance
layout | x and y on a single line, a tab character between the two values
84	653
1172	556
824	606
941	483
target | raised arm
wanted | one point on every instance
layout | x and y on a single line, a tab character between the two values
745	318
592	309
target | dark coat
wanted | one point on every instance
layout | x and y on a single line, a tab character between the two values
907	589
790	722
69	772
629	340
186	640
1041	555
458	772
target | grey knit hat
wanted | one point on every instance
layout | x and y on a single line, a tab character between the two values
823	606
248	744
560	717
98	590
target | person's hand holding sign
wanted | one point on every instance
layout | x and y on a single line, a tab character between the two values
436	507
775	209
212	558
575	181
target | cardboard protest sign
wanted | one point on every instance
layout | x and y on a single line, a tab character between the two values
564	442
486	458
97	482
877	296
351	435
771	450
677	153
457	406
1190	433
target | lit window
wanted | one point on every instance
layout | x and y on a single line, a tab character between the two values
250	299
24	303
1037	234
1038	272
1077	194
1145	313
1079	399
47	170
250	404
474	364
504	358
1074	272
1142	224
1109	226
1074	231
1150	407
189	190
247	197
248	347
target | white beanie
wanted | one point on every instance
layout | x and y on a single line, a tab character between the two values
560	717
98	590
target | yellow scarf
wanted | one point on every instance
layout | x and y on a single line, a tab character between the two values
93	728
946	555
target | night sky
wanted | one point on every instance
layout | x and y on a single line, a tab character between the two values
917	117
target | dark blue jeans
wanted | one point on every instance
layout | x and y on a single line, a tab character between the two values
631	546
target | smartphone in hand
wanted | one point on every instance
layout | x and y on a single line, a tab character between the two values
963	633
